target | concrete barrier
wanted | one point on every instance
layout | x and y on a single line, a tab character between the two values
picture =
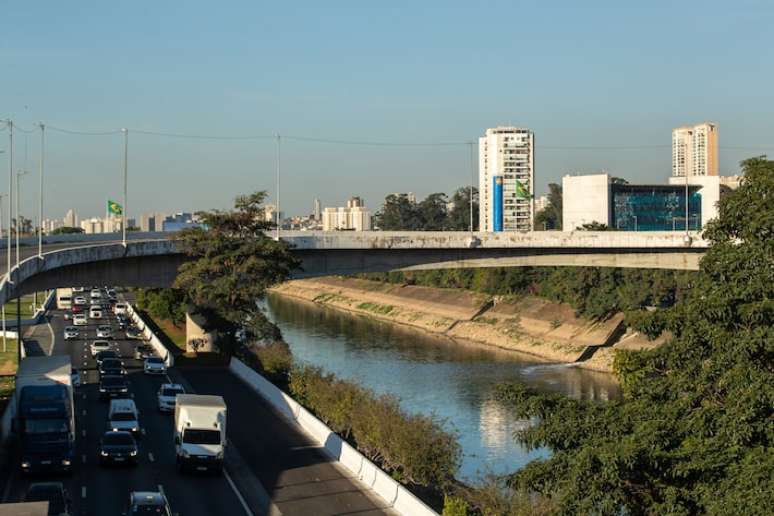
150	337
397	496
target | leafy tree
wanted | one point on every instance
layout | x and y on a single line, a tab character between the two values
459	215
594	226
432	212
163	303
550	217
695	430
66	230
398	213
231	264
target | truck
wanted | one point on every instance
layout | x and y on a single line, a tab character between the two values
64	298
44	419
200	432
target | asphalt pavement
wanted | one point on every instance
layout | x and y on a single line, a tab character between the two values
271	467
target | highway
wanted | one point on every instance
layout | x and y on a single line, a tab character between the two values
270	467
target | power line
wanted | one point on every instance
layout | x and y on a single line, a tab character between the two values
201	136
84	133
375	143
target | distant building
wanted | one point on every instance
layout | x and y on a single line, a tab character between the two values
353	217
93	225
654	207
317	210
179	221
541	203
695	150
270	214
49	225
506	164
148	222
70	219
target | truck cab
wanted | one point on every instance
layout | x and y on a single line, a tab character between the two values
45	427
200	432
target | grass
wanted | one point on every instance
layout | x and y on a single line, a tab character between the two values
376	308
8	359
27	310
175	334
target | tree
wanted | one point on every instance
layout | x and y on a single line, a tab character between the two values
459	215
694	432
432	212
550	217
164	303
231	264
594	226
398	213
66	230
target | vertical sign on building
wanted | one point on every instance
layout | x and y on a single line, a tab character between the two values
497	204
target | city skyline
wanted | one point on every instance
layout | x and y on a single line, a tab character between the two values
617	116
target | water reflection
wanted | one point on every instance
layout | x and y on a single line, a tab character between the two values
429	373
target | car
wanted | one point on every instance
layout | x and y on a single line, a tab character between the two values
117	448
79	301
75	377
120	308
113	386
67	316
95	313
107	355
100	345
111	366
77	309
96	293
167	394
104	332
142	351
78	289
52	492
80	320
111	292
123	321
123	416
134	333
71	332
148	502
154	365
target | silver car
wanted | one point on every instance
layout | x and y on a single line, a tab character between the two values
104	332
167	394
71	332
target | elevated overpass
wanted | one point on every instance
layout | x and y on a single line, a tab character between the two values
152	259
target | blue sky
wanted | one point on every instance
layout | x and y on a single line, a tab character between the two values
577	73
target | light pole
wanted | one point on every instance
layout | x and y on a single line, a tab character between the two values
279	162
2	309
40	204
19	174
126	171
10	199
472	181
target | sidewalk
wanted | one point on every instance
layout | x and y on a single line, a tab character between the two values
39	339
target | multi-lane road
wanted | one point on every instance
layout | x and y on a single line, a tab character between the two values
271	468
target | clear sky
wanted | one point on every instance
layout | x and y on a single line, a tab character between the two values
594	74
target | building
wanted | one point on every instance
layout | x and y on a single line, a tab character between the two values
70	219
352	217
317	211
151	221
695	150
270	214
179	221
541	203
93	225
49	225
656	207
506	164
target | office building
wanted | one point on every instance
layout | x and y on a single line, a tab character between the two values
317	211
352	217
179	221
654	207
695	150
70	219
151	221
506	164
93	225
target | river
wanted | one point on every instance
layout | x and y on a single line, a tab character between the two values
434	374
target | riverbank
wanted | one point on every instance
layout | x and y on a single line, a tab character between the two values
527	324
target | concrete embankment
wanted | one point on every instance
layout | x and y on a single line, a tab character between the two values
527	324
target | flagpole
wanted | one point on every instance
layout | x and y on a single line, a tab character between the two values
126	166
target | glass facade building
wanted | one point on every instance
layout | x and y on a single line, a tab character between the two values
654	207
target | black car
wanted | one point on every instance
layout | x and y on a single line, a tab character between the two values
134	333
148	502
52	492
111	366
123	320
143	351
104	355
118	448
113	386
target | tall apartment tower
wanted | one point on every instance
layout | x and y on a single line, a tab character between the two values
317	210
695	150
506	175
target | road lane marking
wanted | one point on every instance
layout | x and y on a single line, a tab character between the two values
83	432
84	412
142	431
238	494
150	457
83	458
83	492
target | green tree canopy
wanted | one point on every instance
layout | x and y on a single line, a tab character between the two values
694	432
550	217
66	230
459	215
398	213
231	264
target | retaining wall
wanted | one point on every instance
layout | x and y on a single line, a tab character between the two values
160	349
397	496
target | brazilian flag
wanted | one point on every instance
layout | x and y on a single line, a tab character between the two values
113	208
521	191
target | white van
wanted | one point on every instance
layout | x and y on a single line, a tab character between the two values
64	298
123	416
95	313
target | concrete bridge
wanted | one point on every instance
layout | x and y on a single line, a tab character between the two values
152	260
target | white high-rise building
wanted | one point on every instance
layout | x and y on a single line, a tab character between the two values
506	156
352	217
695	150
70	219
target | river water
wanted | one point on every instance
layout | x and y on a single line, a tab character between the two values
434	374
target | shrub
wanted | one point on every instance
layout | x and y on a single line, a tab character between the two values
273	361
454	506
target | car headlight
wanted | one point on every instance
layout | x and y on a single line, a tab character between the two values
25	465
124	389
116	429
133	453
65	462
103	453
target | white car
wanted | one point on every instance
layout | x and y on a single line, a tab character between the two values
104	332
123	416
96	294
167	394
154	365
71	332
99	345
80	320
80	300
78	289
120	308
95	313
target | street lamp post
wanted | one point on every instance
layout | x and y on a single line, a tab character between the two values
10	199
279	163
126	171
2	309
19	174
40	204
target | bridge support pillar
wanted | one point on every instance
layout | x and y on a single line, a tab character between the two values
197	339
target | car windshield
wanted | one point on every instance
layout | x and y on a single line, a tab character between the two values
194	436
123	416
118	439
155	360
104	328
111	362
113	381
45	426
101	344
71	328
171	392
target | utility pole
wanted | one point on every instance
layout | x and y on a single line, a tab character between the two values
126	170
279	160
2	309
40	203
472	181
10	198
18	225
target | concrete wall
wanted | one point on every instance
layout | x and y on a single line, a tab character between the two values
394	494
585	199
196	339
150	337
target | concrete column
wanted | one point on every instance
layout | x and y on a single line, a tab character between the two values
197	340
